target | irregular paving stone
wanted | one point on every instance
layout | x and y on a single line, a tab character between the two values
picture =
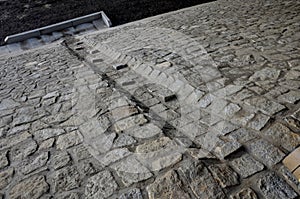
167	186
224	175
242	118
113	156
264	105
225	148
123	112
65	179
8	104
155	145
68	196
22	150
81	152
34	163
124	140
258	122
290	97
273	186
89	167
3	160
60	160
129	122
46	144
146	131
6	177
102	143
225	127
101	185
200	180
18	129
231	109
283	136
289	177
5	121
131	171
45	134
200	153
246	165
265	74
266	152
132	194
33	187
161	159
243	135
164	65
68	140
57	118
13	140
246	193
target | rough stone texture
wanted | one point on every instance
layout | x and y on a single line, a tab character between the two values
3	160
132	194
65	179
101	185
273	186
224	175
267	153
167	186
129	122
33	187
60	160
201	182
34	163
212	85
131	171
68	140
283	136
6	177
244	194
246	165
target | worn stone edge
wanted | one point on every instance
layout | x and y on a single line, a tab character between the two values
58	26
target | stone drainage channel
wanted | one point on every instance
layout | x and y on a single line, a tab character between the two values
45	35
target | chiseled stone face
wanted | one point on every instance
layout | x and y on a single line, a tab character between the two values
273	186
102	185
167	186
33	187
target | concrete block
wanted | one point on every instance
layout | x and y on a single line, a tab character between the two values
55	27
99	24
87	18
106	19
21	36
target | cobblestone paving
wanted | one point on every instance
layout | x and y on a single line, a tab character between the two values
200	103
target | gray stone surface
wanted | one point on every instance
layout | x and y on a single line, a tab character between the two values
246	165
167	186
33	187
101	185
273	186
266	152
207	106
132	194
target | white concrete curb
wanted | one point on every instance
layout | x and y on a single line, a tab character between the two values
58	26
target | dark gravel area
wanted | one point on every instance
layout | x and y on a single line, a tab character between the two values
22	15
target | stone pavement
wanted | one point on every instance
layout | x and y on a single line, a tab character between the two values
199	103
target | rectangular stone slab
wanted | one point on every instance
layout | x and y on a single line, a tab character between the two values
292	161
